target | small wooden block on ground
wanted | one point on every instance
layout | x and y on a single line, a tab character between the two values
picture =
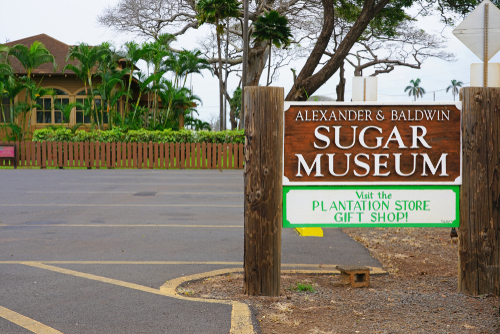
356	276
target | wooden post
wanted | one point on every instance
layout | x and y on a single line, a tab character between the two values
263	189
485	60
479	232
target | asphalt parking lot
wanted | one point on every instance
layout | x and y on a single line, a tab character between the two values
93	251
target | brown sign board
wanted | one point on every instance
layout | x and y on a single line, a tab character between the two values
328	143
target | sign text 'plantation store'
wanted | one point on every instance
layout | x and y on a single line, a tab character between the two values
371	165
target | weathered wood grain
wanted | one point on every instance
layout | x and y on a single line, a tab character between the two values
442	135
263	189
479	232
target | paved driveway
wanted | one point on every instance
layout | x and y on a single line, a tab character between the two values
86	251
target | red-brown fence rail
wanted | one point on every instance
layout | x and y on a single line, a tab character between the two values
127	155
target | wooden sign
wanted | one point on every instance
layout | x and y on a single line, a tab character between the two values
7	151
371	143
371	206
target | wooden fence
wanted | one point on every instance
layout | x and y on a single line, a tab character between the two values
128	155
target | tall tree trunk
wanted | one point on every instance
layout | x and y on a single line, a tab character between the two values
128	90
232	119
257	57
308	81
93	100
245	62
227	74
23	120
269	66
11	106
232	112
221	87
3	114
341	86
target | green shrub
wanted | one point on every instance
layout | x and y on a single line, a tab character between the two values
140	136
303	287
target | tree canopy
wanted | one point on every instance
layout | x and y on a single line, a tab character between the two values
326	33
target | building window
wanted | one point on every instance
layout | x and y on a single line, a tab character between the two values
101	109
80	114
58	114
46	112
6	110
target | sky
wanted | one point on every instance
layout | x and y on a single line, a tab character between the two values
76	21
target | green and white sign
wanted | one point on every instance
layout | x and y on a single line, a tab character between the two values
371	206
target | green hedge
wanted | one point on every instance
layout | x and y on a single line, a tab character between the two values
140	136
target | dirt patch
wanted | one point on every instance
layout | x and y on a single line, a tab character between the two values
417	296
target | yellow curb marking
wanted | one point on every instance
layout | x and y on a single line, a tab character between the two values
238	324
241	317
25	322
310	231
127	205
116	225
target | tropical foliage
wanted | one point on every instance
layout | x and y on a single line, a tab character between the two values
455	84
109	77
140	136
214	12
272	27
15	120
415	89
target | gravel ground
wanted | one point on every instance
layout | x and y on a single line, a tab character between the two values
417	296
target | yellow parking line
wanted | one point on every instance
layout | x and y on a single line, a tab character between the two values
25	322
240	314
319	268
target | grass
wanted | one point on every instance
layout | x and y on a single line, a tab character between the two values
303	287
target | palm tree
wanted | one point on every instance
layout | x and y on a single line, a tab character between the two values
132	54
184	63
5	74
272	27
454	87
12	88
194	64
33	56
66	110
414	89
33	91
89	57
144	83
176	101
214	11
4	53
158	51
110	89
